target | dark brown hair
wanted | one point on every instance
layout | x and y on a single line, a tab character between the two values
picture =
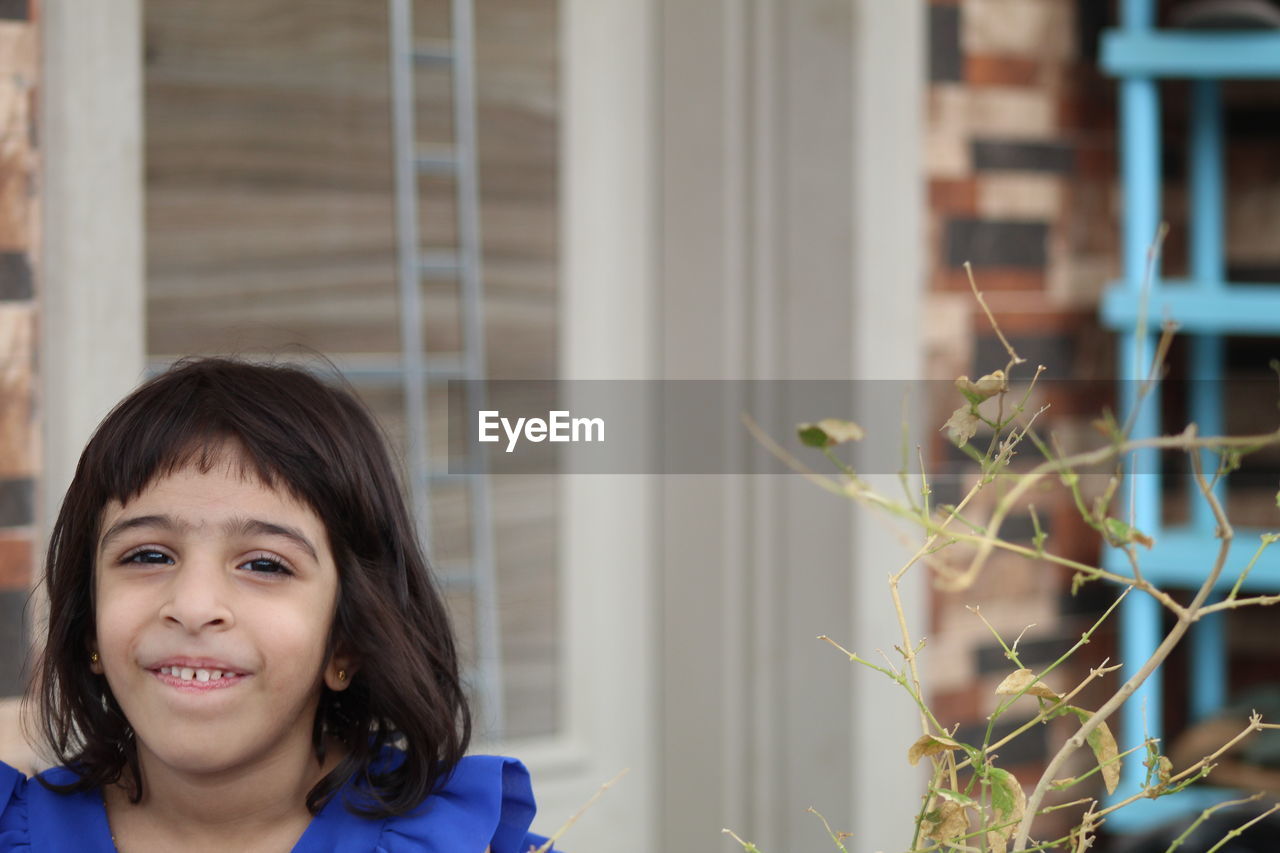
320	444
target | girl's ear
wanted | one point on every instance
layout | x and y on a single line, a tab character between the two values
339	672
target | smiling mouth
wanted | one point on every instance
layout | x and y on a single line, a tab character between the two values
197	679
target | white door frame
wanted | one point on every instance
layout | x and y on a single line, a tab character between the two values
607	331
790	232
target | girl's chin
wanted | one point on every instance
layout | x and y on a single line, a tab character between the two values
211	750
191	762
205	756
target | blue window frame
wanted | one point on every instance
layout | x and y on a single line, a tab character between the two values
1207	308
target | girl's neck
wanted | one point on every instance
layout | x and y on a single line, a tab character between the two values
262	808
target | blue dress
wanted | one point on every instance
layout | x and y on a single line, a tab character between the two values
486	802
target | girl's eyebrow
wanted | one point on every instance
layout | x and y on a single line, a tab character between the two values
125	524
254	526
241	526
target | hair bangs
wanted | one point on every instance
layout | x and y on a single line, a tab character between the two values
201	434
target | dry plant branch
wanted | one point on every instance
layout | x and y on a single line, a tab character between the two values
970	803
568	824
1185	618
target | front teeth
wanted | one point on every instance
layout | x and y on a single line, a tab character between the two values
187	673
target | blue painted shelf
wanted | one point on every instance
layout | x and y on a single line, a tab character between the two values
1204	307
1205	55
1182	557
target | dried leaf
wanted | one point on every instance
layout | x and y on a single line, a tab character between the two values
1103	743
1007	799
828	432
948	822
929	745
1021	680
985	388
1105	751
961	426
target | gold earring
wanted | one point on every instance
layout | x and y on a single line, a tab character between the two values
342	675
93	657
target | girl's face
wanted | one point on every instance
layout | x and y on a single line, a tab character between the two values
215	596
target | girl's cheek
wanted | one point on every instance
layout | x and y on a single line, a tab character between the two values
118	612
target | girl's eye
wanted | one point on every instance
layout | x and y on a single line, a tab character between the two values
148	555
266	566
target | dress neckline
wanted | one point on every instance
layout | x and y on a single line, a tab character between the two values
331	824
79	821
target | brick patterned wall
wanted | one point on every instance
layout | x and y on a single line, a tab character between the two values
1021	183
19	434
1022	177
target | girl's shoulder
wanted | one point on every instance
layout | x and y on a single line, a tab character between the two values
33	818
488	799
13	809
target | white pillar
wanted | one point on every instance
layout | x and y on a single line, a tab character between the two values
92	280
791	246
888	250
607	529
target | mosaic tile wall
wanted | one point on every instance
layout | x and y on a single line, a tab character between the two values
1021	184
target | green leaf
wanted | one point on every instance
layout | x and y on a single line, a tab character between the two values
1122	533
956	797
1007	798
811	435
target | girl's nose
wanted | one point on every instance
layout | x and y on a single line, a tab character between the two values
198	597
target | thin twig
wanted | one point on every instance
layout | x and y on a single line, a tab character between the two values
1014	358
1183	622
1239	830
574	819
1205	815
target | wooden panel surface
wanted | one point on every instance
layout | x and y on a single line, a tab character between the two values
269	182
270	224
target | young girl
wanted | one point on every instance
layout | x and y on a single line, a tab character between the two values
246	650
